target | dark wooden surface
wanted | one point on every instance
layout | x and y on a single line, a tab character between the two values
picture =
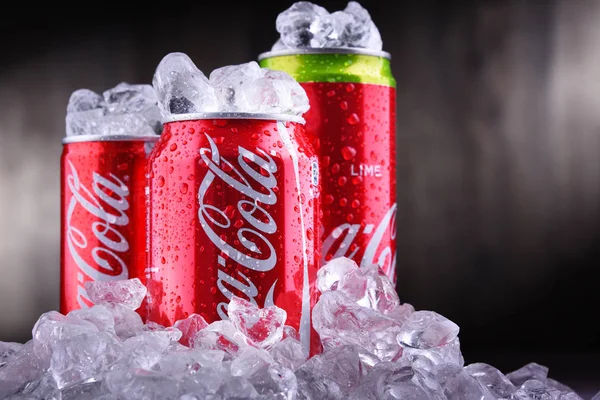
498	154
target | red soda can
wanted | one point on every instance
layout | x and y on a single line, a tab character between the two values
103	212
233	200
352	126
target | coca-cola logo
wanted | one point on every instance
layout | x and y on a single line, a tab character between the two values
253	250
106	203
386	258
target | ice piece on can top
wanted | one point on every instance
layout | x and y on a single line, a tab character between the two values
277	92
245	88
307	25
85	100
134	100
123	110
130	292
181	87
231	84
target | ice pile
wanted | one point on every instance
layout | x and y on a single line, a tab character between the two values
307	25
374	348
123	110
246	88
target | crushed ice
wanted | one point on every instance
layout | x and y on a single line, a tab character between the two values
246	88
374	348
123	110
307	25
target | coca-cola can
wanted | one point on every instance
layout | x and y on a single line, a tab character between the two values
233	200
352	126
103	212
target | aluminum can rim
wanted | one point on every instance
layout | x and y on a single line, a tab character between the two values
234	115
329	50
108	138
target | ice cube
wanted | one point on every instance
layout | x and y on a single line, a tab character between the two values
458	384
124	110
317	386
370	287
276	92
231	83
307	25
189	327
288	331
389	381
130	292
400	314
250	361
235	388
534	389
263	326
447	354
338	321
98	315
83	357
221	335
359	30
341	365
190	360
41	388
427	329
141	384
127	99
86	391
171	333
329	275
8	351
181	87
85	100
128	323
204	383
289	353
275	382
23	367
531	371
492	378
138	100
52	327
304	24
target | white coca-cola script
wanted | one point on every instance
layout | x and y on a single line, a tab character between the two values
386	230
258	253
101	261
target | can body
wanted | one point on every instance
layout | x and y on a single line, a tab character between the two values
352	125
103	213
233	205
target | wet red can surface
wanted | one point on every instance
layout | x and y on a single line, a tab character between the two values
103	213
352	125
233	204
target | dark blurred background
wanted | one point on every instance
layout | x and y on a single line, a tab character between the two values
498	154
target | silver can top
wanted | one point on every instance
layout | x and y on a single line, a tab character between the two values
108	138
329	50
235	115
